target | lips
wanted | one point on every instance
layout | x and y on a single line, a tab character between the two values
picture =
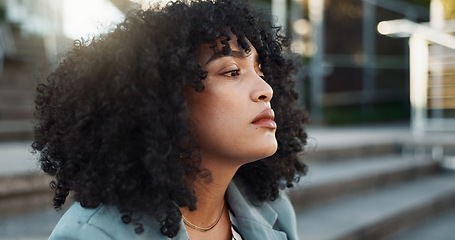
265	119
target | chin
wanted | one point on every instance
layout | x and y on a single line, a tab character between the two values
270	149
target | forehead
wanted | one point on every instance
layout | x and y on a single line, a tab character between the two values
208	50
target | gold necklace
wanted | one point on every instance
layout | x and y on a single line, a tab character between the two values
204	229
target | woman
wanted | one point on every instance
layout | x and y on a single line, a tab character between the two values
164	128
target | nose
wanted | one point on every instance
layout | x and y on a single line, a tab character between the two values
262	91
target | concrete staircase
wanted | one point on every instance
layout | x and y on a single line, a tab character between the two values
376	191
22	188
17	88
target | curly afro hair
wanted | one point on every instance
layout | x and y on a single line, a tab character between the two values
110	119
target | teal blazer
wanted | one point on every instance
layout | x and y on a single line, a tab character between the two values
273	220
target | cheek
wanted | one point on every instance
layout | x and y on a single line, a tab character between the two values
215	119
212	105
201	108
203	112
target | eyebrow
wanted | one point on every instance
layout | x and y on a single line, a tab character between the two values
236	54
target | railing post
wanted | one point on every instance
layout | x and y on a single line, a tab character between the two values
316	16
369	52
279	11
418	67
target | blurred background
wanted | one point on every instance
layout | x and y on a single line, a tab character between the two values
378	81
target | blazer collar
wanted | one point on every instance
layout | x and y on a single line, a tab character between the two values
253	222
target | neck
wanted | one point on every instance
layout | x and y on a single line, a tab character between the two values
210	192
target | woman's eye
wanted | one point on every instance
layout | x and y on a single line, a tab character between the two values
232	73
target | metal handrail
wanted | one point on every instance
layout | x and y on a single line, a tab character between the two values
420	35
406	28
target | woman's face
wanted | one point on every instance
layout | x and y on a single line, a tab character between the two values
233	115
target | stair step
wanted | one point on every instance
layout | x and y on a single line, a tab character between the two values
439	227
28	64
16	130
21	75
336	153
339	143
23	186
31	48
16	112
16	158
377	213
16	104
328	181
22	193
14	95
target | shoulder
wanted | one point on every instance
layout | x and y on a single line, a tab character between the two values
101	223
